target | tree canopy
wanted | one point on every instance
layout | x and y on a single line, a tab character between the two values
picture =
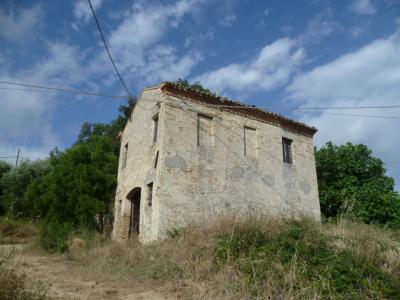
351	180
15	183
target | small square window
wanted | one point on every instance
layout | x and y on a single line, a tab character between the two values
287	150
150	194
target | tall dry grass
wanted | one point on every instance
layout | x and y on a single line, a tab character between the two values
13	284
258	258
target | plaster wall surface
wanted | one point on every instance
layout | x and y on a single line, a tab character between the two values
139	169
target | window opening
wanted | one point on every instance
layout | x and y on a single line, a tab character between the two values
204	130
156	161
155	128
125	156
250	141
150	194
287	150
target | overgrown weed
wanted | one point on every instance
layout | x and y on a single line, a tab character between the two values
259	258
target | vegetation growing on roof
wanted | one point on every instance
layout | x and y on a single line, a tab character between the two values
195	86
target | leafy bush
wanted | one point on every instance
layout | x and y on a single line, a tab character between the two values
352	181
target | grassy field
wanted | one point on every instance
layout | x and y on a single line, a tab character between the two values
252	259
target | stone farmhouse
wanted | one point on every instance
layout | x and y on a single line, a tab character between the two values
188	157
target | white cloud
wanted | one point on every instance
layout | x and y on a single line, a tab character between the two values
228	20
17	25
26	114
318	28
152	23
145	26
363	7
82	9
358	29
369	76
269	69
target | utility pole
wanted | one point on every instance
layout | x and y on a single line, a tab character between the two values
16	161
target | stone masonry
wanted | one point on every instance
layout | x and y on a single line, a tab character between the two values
189	157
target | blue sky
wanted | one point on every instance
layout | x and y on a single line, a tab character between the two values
275	54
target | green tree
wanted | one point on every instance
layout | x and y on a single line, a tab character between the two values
78	193
4	168
94	130
351	180
15	183
81	186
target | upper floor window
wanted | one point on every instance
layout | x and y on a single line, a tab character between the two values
125	156
155	128
250	142
287	150
204	130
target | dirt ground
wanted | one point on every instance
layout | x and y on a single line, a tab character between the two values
64	280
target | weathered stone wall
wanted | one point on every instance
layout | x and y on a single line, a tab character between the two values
196	183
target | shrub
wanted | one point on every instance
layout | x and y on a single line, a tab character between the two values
16	231
54	236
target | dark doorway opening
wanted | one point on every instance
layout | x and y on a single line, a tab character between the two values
134	198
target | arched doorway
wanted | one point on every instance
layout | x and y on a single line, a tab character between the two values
134	197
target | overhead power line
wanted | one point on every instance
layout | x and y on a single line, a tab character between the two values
321	113
108	51
307	108
348	107
130	3
54	89
362	116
